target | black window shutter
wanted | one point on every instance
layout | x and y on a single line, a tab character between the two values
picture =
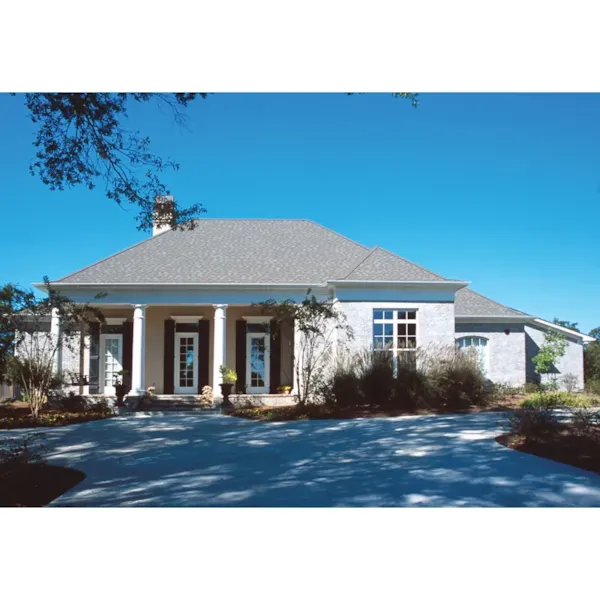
275	357
203	350
127	351
94	366
240	355
169	360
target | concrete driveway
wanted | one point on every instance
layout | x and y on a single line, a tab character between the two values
185	459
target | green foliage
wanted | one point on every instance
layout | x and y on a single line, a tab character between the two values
74	403
591	361
450	380
81	139
559	399
593	386
595	333
553	348
567	324
533	423
317	323
29	349
228	375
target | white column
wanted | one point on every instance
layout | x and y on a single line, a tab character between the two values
296	361
139	341
55	335
219	346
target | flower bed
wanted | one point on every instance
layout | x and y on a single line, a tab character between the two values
17	415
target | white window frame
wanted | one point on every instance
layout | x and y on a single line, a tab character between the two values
109	389
395	321
177	389
486	356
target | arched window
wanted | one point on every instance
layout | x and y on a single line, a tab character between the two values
477	344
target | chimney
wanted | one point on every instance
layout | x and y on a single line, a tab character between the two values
163	214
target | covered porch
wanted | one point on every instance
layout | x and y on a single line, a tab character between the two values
176	350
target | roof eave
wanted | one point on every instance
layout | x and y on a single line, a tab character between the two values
71	285
493	318
548	325
456	285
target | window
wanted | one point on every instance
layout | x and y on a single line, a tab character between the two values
475	344
396	332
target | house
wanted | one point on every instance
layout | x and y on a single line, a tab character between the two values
179	305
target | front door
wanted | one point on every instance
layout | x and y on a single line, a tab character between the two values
257	363
111	361
186	363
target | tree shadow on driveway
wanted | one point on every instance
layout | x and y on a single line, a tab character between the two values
188	459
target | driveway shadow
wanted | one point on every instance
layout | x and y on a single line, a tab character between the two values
215	460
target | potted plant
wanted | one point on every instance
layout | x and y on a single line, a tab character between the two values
229	377
284	389
120	387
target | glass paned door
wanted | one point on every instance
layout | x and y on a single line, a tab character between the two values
257	363
186	363
111	356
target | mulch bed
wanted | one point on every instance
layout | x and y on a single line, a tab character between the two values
16	415
566	446
320	411
36	484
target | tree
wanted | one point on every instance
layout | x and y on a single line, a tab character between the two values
318	324
30	347
553	348
591	357
82	139
567	324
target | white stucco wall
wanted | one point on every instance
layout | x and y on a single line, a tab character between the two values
435	321
505	352
571	362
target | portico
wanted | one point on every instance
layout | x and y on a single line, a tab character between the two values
179	349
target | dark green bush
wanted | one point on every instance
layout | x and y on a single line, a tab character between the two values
411	389
533	423
593	386
342	389
377	382
74	403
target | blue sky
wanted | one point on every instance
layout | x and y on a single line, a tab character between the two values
502	190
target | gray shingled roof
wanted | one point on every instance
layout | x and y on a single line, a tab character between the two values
469	303
381	265
260	251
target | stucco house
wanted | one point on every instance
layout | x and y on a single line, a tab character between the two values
179	305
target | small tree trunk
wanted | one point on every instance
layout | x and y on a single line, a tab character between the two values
37	399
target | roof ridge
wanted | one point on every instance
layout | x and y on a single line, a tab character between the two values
361	262
334	232
494	301
153	237
412	263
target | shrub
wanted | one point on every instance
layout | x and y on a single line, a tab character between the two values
17	453
593	386
557	399
411	388
533	423
456	381
585	421
73	403
376	378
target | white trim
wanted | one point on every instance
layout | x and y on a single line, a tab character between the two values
257	319
267	375
149	284
186	319
373	283
109	390
549	325
176	388
493	318
115	320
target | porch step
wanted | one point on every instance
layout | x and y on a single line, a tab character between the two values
168	402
